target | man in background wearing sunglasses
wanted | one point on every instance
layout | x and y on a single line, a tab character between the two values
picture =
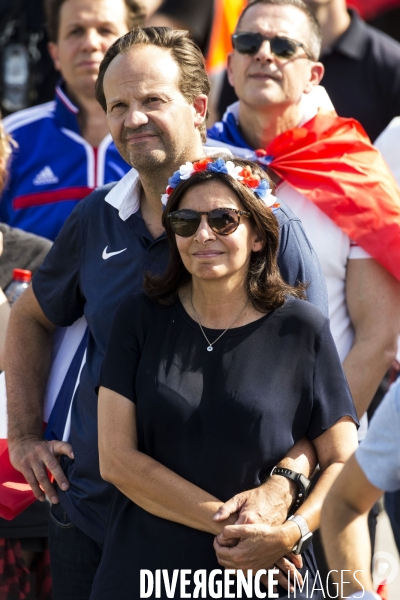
275	71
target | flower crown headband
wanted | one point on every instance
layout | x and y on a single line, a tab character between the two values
245	175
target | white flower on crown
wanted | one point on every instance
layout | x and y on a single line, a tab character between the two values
186	170
269	199
233	171
164	199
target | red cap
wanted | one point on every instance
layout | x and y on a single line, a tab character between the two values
22	275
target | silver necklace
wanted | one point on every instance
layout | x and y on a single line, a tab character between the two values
210	345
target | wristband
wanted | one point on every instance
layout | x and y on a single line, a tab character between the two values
305	533
301	480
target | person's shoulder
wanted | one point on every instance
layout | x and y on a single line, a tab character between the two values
92	209
95	202
305	313
384	47
284	215
21	248
291	225
14	235
29	117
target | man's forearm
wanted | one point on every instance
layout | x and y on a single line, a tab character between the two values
301	458
372	297
270	503
347	544
344	525
365	366
27	363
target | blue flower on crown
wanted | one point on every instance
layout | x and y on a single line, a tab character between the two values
218	166
263	189
174	180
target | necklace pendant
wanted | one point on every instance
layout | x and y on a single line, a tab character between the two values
210	348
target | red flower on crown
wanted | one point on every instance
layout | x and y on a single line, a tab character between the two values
249	179
201	165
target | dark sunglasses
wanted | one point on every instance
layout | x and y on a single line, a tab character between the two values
224	221
250	43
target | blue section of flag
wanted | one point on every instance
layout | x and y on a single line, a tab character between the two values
58	417
227	131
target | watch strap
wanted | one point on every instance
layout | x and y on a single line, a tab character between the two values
301	523
301	481
306	535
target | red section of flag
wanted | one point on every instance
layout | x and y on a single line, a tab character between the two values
15	494
40	198
331	161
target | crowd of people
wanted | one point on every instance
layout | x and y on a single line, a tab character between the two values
222	285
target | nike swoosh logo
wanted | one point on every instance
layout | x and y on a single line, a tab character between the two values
106	254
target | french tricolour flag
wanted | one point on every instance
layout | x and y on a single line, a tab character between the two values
69	356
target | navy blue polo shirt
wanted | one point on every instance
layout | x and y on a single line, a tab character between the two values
99	257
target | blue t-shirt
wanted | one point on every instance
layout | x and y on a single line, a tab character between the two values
96	261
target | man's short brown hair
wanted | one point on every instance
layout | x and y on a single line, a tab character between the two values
193	79
135	15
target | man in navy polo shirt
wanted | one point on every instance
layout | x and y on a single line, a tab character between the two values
153	87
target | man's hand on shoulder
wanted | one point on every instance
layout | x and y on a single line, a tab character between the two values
34	458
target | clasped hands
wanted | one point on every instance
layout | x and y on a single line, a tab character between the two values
260	538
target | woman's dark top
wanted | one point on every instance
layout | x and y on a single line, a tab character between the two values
220	419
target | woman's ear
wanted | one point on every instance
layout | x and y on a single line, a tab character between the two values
258	242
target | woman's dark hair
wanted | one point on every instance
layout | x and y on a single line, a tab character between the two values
265	286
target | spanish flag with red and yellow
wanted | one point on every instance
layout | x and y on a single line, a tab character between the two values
226	16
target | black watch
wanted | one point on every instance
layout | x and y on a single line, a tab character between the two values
302	483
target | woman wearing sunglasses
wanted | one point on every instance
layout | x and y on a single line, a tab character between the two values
210	377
